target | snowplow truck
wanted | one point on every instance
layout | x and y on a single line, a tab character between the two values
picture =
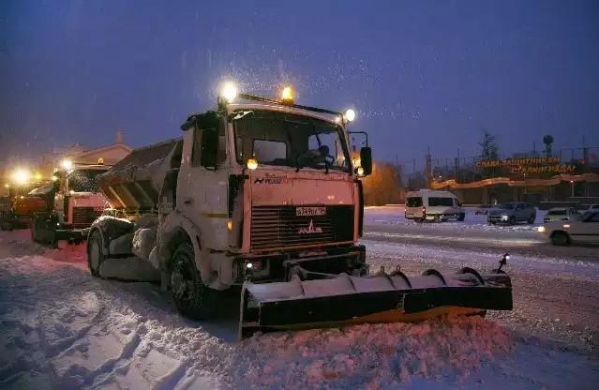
262	194
73	203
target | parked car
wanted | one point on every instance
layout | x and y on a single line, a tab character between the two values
512	213
562	214
593	207
585	230
433	206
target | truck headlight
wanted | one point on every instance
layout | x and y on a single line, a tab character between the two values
287	95
66	164
541	229
21	176
504	217
252	164
229	91
350	115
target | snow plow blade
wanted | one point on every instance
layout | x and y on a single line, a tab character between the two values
345	300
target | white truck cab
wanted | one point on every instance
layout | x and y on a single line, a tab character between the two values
264	194
430	205
76	203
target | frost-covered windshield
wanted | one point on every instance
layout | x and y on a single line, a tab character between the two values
281	139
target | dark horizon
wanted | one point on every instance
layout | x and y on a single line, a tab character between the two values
419	74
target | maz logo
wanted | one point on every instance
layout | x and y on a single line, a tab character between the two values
311	229
271	180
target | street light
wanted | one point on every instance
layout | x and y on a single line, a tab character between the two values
66	164
21	177
229	91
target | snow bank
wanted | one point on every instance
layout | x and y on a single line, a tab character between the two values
368	356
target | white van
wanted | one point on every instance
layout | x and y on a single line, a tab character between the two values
430	205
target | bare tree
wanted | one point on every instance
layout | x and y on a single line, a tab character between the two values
383	186
489	152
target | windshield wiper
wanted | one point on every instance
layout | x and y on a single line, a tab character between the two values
241	114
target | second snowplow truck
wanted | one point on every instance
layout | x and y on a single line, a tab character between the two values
263	194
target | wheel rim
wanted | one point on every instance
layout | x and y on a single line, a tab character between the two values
94	255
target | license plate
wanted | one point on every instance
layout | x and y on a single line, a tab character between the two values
310	211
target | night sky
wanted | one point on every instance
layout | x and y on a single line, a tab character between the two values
419	73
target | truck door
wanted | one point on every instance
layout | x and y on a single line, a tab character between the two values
202	184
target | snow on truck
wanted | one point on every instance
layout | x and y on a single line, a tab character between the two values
262	194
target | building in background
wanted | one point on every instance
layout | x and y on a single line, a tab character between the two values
80	154
33	172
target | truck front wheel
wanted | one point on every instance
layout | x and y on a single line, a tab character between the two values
192	298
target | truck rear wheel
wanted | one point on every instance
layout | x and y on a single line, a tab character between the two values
192	298
95	255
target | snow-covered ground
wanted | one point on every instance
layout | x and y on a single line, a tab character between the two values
60	328
555	297
387	223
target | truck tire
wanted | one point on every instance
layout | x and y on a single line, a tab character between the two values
193	299
461	217
95	255
531	219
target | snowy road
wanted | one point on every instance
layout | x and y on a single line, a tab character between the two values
389	224
62	329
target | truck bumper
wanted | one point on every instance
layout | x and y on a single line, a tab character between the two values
276	267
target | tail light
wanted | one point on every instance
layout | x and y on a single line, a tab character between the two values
423	210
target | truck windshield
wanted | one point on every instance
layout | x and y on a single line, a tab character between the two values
282	139
84	180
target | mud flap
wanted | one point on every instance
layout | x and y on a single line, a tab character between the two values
344	300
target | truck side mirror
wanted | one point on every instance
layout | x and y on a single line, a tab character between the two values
207	120
366	160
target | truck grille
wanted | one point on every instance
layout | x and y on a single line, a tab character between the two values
84	216
279	226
